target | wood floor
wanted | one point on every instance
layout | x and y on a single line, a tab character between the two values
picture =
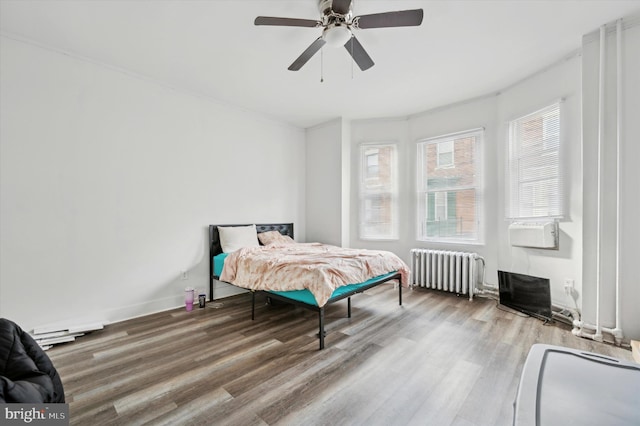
437	360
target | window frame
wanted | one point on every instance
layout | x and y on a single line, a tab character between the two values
422	192
365	194
517	185
370	165
439	154
440	203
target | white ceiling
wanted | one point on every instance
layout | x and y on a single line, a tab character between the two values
463	49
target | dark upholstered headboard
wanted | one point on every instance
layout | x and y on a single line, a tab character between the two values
214	237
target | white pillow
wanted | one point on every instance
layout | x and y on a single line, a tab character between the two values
233	238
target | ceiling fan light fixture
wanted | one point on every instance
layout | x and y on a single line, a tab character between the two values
336	35
338	24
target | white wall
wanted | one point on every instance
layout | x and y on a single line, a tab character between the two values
109	181
324	183
406	132
561	81
629	178
389	130
576	255
469	115
346	184
492	113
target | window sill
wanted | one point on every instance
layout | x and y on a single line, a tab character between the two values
452	242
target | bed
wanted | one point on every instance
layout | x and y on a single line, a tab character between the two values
304	298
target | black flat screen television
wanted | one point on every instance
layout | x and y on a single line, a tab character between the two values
524	293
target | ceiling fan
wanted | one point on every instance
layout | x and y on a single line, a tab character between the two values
337	22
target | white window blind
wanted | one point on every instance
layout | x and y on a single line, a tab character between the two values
450	188
534	172
378	191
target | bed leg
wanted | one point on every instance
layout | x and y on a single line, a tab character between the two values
348	307
253	305
321	327
400	293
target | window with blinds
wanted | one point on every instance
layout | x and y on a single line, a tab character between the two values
450	188
534	172
378	192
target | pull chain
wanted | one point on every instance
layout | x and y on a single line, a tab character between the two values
321	66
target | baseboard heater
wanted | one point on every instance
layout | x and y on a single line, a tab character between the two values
452	271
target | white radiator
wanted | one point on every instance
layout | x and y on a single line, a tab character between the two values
455	272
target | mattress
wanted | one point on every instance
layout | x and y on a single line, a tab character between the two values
304	296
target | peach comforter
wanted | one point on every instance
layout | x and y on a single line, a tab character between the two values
320	268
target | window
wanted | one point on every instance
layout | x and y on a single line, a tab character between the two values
378	192
534	172
440	205
449	188
372	163
445	154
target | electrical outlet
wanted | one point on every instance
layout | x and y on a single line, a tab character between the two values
184	275
568	285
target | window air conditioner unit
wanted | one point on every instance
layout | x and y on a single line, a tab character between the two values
534	234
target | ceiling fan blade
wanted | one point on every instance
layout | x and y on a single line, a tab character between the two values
401	18
286	22
307	54
341	6
358	53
